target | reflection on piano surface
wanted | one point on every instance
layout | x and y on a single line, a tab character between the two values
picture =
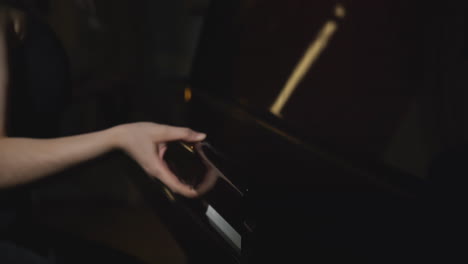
351	72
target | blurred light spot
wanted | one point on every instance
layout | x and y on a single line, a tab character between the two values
308	59
187	94
340	11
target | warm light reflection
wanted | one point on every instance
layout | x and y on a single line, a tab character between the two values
187	147
169	194
187	94
340	11
311	55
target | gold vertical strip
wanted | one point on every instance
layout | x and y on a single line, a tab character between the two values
308	59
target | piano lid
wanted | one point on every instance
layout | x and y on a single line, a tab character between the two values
338	74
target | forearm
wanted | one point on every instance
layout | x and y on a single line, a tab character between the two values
23	160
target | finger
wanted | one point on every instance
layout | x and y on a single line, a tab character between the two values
211	175
208	182
164	174
162	147
161	151
172	133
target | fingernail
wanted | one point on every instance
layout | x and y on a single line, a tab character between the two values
201	136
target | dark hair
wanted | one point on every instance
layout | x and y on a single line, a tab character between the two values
15	3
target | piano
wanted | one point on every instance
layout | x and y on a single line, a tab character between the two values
300	100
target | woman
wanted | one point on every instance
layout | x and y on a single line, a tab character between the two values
33	89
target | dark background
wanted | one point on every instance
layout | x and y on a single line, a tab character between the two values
137	64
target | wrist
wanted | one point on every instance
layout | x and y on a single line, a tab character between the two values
116	136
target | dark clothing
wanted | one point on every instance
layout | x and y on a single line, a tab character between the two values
30	244
39	90
13	254
40	85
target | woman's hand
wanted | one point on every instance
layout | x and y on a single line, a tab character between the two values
146	144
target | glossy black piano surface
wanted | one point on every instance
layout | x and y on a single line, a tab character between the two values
308	182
